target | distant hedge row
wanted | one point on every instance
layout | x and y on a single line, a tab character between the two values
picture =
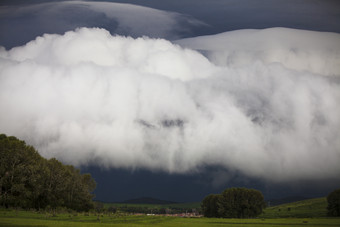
234	203
28	180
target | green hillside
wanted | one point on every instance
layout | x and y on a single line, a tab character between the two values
175	208
301	209
17	218
174	205
309	208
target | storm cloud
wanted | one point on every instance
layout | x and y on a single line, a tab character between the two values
25	22
87	97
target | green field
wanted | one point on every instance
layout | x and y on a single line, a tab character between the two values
309	208
27	218
310	212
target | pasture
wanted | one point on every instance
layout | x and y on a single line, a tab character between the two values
311	212
309	208
15	218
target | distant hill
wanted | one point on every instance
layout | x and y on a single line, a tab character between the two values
147	200
276	202
309	208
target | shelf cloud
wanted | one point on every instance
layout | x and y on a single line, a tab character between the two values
87	97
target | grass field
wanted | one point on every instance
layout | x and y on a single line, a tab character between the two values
29	218
302	209
310	212
310	208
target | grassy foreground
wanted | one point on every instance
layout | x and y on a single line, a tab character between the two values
311	212
30	218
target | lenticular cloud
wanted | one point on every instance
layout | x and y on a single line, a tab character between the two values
28	21
89	97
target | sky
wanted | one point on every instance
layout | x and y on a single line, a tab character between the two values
177	99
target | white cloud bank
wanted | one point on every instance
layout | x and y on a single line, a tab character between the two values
89	97
301	50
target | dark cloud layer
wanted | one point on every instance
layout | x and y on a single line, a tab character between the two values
118	185
227	15
24	23
215	16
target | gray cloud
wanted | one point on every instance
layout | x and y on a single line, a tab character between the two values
89	97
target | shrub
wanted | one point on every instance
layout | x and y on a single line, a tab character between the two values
333	200
234	203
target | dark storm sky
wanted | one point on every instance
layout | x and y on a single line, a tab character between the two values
216	16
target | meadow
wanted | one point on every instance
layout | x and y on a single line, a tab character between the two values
303	213
309	208
27	218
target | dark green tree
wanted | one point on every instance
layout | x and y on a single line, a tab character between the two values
209	205
56	183
19	172
79	188
333	200
240	203
28	180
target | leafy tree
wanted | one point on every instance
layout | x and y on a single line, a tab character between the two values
209	205
20	169
28	180
240	203
56	183
78	190
234	203
333	200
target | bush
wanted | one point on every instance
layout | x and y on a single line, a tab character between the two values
240	203
333	200
234	203
209	206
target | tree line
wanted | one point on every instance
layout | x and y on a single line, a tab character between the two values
234	203
249	203
27	180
